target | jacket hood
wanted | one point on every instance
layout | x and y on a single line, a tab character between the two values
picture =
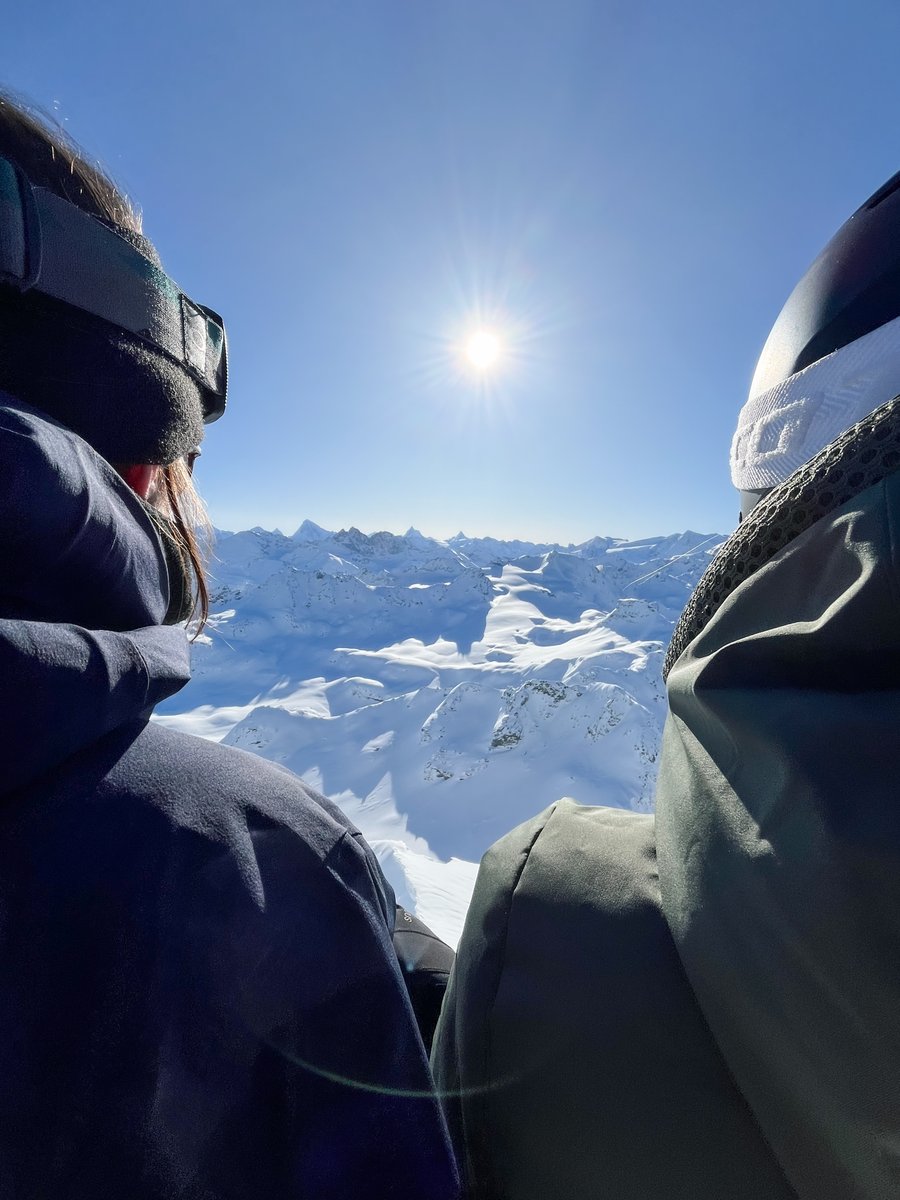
84	590
78	543
778	835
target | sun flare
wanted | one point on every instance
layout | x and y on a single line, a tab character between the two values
483	349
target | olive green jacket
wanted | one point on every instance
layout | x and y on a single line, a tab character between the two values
706	1005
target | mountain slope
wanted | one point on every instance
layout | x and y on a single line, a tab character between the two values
441	692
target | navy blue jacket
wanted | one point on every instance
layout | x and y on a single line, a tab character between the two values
198	992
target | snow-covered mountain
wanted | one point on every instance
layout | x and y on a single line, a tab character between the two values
441	692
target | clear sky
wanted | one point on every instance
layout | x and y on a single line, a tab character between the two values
622	192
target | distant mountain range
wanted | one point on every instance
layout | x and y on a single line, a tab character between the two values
441	692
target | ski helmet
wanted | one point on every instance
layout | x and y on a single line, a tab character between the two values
833	354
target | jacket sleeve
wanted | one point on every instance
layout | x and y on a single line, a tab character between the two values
295	981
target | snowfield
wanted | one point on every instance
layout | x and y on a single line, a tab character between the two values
442	692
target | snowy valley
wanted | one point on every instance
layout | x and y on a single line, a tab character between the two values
441	692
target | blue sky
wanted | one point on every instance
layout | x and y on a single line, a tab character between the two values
625	191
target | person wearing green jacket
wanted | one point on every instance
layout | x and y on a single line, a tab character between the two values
705	1004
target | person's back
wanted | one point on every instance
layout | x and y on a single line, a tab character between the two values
703	1004
199	995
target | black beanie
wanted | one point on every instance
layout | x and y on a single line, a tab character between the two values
130	401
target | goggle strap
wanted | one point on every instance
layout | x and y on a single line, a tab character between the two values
53	246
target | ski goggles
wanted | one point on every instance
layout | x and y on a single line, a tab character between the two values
51	246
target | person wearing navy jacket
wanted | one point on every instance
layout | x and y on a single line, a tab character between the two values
199	997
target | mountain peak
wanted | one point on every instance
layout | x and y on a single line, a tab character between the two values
309	531
417	537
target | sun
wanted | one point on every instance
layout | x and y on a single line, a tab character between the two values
483	349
